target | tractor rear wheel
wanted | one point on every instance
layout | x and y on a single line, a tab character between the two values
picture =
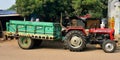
25	43
75	40
109	46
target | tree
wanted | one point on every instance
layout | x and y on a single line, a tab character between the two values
105	9
13	7
97	8
51	9
76	5
25	7
94	7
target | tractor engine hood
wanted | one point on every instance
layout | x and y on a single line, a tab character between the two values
101	30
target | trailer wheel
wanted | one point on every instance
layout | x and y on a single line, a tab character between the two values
109	46
75	40
25	43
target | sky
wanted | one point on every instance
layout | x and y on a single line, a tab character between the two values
5	4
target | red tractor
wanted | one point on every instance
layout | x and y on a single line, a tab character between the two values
76	38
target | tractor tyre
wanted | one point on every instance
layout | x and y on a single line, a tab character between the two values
25	43
65	45
75	40
109	46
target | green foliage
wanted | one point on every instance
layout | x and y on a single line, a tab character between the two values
93	7
76	5
25	7
51	9
13	7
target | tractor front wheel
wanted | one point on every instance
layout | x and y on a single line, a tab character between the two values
109	46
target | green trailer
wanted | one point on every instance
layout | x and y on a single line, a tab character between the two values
28	31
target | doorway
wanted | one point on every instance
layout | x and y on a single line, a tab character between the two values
1	30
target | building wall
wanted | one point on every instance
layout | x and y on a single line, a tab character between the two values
114	14
7	19
111	8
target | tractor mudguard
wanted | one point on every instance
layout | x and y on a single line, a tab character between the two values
69	28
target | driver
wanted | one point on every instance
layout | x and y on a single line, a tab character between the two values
74	22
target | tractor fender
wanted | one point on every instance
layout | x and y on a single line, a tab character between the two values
69	28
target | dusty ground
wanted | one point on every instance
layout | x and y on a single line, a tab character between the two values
9	50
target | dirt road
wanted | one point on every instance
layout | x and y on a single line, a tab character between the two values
9	50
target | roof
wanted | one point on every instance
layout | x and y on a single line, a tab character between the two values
9	15
5	13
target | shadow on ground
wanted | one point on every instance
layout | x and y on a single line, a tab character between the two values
59	45
52	44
